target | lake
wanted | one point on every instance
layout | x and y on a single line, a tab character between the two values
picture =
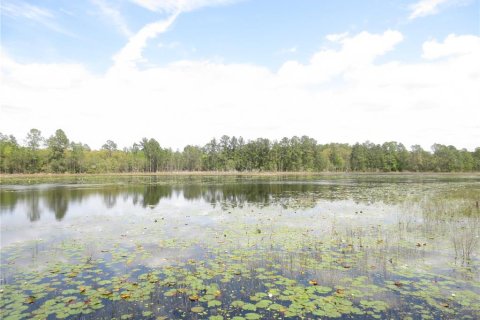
241	247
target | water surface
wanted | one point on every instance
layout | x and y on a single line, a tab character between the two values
337	246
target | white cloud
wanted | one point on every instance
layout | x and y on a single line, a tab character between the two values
172	6
341	95
336	37
33	76
131	53
453	45
25	10
114	16
356	52
28	11
425	8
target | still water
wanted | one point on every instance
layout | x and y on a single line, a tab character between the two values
239	247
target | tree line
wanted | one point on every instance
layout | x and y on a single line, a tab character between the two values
57	154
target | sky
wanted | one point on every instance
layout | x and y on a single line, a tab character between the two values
186	71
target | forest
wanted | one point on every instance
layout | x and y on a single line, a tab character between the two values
57	154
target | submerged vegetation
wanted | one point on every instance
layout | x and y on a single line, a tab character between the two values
58	154
364	247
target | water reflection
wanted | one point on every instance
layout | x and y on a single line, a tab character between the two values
57	201
8	201
38	200
33	211
408	244
151	195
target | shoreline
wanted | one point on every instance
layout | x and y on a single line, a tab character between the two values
230	173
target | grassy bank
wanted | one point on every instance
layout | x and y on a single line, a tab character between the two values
4	176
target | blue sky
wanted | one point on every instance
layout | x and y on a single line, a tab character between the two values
230	45
259	32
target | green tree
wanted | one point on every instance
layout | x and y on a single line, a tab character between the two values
467	162
419	159
58	144
284	155
375	156
476	159
76	157
110	147
33	142
390	152
211	151
358	157
8	147
321	159
308	146
228	153
446	158
192	156
153	153
34	139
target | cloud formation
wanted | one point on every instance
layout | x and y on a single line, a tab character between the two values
452	46
425	8
22	10
343	94
356	52
131	53
114	16
173	6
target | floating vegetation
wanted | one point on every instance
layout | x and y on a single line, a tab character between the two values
337	259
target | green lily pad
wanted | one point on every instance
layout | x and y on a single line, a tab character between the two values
252	316
263	304
214	303
237	304
249	307
197	309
